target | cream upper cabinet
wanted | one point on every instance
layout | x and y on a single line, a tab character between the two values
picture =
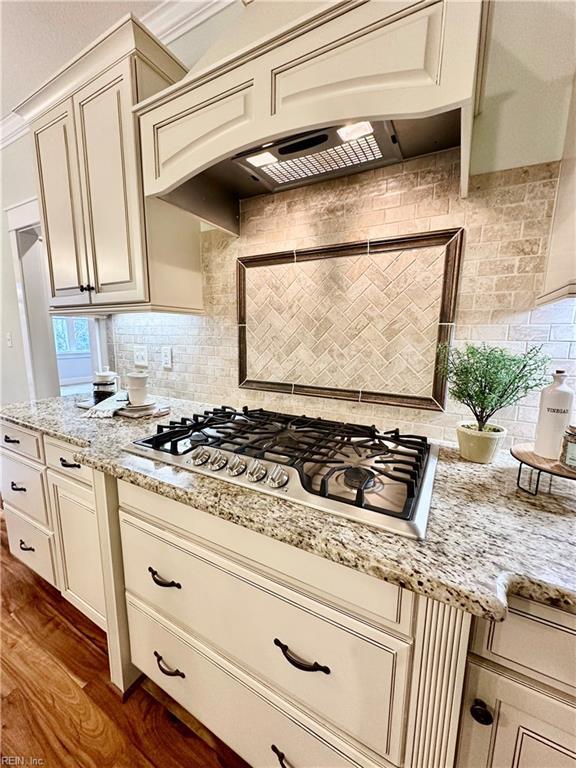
54	145
111	198
108	247
560	275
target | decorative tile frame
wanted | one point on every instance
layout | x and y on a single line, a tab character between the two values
452	241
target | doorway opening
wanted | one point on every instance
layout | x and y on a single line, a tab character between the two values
60	351
76	340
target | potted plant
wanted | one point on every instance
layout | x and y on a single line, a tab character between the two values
487	379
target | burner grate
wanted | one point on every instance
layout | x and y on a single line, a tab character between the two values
352	464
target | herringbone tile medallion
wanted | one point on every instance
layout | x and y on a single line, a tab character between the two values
366	322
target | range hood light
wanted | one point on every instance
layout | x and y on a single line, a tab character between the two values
264	158
355	131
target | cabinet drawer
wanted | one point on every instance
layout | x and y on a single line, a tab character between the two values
22	441
60	456
30	544
370	599
22	485
276	634
222	698
534	639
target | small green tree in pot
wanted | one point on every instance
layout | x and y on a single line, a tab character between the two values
487	379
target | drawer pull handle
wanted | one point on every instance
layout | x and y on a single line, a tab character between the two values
8	439
480	712
164	670
305	666
280	755
162	582
25	548
68	464
17	487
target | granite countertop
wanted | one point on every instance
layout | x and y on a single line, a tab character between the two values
485	538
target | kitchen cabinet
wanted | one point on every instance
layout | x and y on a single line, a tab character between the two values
51	516
560	274
23	488
528	728
77	545
519	708
32	544
110	188
351	657
109	248
330	665
60	205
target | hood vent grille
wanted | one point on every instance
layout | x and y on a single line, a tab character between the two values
351	153
334	151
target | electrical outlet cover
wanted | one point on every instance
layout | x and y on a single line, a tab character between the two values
167	358
140	355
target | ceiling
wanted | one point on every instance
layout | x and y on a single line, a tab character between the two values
37	38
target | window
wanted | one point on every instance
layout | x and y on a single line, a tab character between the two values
71	335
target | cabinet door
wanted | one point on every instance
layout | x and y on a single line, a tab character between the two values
530	729
60	206
79	562
111	187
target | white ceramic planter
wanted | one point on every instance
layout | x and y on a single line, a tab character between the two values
479	447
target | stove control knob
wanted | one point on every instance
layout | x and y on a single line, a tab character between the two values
278	477
256	471
200	455
218	461
236	466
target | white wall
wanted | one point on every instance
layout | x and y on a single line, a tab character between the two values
18	185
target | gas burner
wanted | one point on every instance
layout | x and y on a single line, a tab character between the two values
380	478
359	478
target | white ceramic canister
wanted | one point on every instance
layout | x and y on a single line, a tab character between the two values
137	386
556	403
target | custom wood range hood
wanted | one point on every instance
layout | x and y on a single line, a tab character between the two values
356	85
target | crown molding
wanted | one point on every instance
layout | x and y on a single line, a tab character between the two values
169	21
174	18
12	128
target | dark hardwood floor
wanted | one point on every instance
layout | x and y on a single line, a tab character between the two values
57	702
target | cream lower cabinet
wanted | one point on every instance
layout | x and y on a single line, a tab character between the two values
107	246
50	512
519	706
77	544
528	728
290	659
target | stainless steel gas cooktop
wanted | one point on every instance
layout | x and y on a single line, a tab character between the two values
383	479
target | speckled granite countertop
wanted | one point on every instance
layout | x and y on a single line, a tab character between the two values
485	538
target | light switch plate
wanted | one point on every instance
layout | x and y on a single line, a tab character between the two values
167	358
140	355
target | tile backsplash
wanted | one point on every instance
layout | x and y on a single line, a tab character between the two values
364	322
507	219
